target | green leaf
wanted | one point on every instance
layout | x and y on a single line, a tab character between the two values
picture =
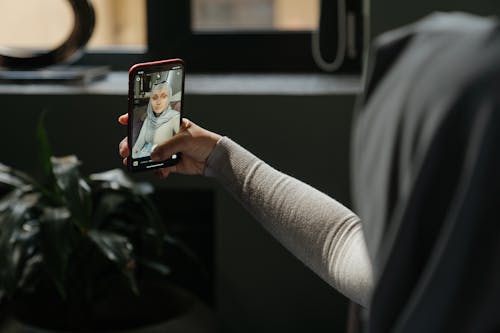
117	249
153	218
32	269
109	204
12	177
17	237
155	265
44	150
75	193
116	180
56	231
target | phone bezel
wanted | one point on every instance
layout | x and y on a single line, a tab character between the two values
151	67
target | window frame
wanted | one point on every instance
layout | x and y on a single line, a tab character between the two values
239	51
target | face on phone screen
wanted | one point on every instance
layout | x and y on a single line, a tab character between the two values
155	99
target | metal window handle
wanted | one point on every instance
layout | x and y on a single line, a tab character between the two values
68	51
321	62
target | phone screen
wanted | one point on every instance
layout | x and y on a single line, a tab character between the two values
155	110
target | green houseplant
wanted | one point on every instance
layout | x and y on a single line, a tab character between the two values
82	253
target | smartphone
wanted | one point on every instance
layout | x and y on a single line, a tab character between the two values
155	99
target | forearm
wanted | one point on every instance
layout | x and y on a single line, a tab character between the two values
321	232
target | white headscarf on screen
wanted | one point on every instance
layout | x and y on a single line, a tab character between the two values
154	121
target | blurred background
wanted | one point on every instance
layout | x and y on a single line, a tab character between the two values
122	23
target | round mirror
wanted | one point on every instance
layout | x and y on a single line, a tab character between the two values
57	32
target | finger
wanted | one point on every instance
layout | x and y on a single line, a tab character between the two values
160	173
123	119
164	172
178	143
123	148
185	124
125	161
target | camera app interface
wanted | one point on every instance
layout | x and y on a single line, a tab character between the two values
156	107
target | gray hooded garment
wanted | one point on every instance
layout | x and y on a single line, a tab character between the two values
426	176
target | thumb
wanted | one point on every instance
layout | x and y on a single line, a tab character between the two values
176	144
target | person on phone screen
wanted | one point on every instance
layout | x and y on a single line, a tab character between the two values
422	251
161	123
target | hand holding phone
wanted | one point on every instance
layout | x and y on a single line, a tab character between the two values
155	99
195	143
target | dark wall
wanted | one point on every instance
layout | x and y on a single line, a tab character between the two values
259	286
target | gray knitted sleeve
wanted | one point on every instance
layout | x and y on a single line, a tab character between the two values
321	232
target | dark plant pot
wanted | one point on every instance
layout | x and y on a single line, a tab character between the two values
172	309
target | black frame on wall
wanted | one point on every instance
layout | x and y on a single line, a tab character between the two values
169	35
248	51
